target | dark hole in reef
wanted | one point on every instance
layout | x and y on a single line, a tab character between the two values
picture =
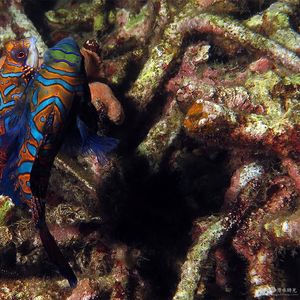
135	129
254	7
155	211
295	21
8	260
234	270
4	19
289	263
35	10
150	114
218	52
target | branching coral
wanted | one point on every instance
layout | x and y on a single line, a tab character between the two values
191	18
225	82
253	243
91	15
275	127
232	107
274	22
252	118
244	189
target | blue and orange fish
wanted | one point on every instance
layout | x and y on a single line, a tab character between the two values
50	101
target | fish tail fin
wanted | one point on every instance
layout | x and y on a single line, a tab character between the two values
95	144
49	243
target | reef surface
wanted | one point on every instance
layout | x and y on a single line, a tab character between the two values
202	198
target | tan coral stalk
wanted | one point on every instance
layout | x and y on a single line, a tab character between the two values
191	19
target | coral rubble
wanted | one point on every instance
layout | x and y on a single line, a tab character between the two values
16	25
210	145
192	18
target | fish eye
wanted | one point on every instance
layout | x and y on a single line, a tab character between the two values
21	54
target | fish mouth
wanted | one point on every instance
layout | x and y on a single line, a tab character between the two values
33	54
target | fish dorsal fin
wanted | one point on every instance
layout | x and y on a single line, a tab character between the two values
2	60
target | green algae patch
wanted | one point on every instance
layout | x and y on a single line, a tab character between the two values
6	206
275	23
260	87
99	22
293	79
137	19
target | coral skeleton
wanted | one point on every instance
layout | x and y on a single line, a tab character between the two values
202	199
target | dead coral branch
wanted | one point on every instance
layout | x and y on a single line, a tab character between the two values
189	19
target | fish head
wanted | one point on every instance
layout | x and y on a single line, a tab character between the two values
21	53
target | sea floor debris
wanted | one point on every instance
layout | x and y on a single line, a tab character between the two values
206	183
